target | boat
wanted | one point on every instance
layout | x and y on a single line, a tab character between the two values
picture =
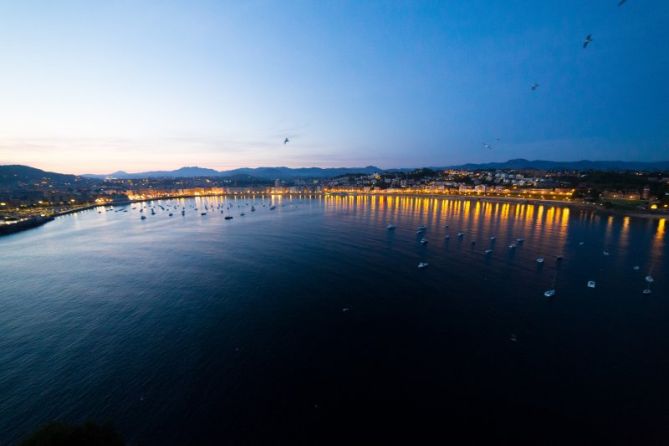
581	243
512	246
649	279
390	227
461	234
183	212
558	258
446	237
606	253
203	213
421	229
143	217
422	265
592	284
423	241
549	293
228	217
271	208
540	260
520	240
492	238
473	242
170	214
488	251
253	209
242	214
646	291
636	267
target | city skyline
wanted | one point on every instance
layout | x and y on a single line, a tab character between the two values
93	88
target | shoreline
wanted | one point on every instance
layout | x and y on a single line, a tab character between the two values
35	222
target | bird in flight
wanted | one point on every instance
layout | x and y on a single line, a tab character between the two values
535	86
621	2
286	141
587	41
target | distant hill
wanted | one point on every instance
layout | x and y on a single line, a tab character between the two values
16	175
267	173
568	165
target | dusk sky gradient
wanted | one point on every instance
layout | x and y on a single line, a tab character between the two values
98	86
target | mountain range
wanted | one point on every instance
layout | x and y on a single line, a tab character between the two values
268	173
521	163
12	175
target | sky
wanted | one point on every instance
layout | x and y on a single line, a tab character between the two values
99	86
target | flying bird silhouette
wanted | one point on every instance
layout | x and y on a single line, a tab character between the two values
286	141
535	86
587	41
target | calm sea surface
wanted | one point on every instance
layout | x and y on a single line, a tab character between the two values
311	323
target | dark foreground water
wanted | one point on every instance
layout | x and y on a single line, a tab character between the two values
312	324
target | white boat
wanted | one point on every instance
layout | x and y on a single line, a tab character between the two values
646	291
520	240
492	237
423	241
549	293
422	265
488	251
592	284
636	267
540	260
581	243
606	253
649	279
461	234
446	237
390	227
512	246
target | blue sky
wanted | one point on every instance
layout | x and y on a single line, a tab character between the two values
95	86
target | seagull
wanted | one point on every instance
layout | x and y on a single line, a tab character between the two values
286	141
535	86
587	41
